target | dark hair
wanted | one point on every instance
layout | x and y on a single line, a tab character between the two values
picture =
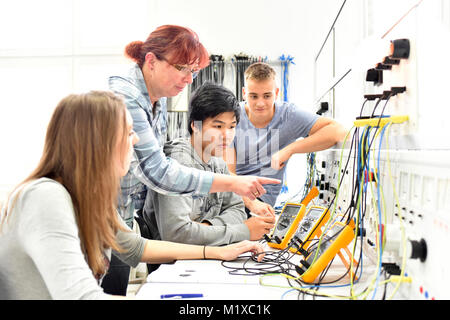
177	44
210	100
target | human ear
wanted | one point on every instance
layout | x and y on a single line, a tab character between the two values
277	91
244	95
194	128
150	59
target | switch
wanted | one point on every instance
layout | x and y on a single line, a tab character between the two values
390	61
323	108
418	249
375	76
371	97
399	49
381	66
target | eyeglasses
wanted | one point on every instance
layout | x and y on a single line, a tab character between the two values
183	69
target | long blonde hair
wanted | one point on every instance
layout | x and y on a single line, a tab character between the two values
80	146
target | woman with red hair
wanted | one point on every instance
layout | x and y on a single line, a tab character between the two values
165	64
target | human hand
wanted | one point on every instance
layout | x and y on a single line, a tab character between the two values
232	251
251	186
259	226
280	158
260	208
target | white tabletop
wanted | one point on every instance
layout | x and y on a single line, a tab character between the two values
215	280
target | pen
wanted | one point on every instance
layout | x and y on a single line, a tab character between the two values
260	216
181	295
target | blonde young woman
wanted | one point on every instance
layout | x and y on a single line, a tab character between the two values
59	226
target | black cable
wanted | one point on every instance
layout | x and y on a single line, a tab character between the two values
356	187
275	262
332	201
387	100
360	113
375	107
348	220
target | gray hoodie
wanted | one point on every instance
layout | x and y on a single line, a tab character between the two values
178	218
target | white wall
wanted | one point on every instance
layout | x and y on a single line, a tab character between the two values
50	48
419	149
361	38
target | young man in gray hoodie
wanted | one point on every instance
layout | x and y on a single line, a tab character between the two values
218	218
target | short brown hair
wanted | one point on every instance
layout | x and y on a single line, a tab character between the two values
260	71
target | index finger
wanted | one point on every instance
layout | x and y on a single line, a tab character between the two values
264	180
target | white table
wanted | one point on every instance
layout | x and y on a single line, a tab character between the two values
211	279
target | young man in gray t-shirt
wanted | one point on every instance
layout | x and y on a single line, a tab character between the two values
269	131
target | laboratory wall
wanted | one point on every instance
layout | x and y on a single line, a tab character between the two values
397	111
51	48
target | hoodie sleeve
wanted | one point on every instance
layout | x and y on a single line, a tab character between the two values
175	215
175	224
232	209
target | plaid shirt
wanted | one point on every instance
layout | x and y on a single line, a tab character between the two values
149	166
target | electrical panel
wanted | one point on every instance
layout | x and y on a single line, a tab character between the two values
393	170
419	208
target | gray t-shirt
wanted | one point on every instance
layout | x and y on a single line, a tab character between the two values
40	251
255	147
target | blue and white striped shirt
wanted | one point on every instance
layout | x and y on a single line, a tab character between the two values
149	166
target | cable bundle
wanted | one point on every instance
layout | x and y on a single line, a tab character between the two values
214	72
285	62
366	177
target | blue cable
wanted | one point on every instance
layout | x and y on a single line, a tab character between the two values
284	188
360	168
379	211
285	61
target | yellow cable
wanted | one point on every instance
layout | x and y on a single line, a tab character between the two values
398	279
325	227
370	287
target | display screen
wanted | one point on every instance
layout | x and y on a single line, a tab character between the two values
291	210
326	242
308	222
288	215
315	212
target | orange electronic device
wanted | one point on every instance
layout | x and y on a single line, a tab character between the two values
310	227
338	237
288	220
